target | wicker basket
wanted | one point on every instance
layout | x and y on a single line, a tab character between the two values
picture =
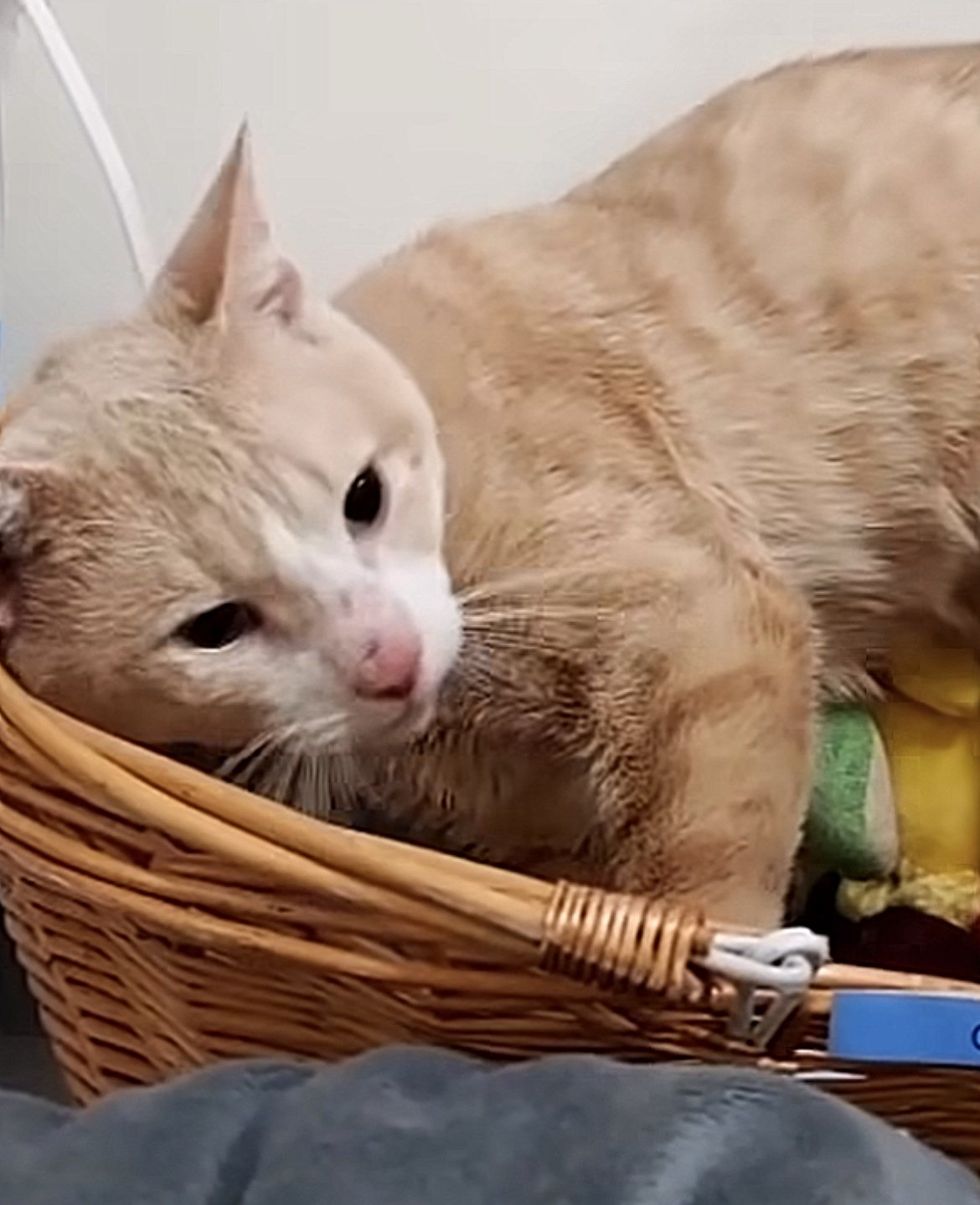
167	920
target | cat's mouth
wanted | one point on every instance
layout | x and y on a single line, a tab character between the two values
404	723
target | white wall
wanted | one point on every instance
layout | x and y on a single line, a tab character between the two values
371	117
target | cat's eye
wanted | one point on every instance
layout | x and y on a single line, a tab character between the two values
219	626
364	499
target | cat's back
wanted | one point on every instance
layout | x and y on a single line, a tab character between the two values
829	206
794	260
823	181
782	288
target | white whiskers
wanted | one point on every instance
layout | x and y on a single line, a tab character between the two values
304	765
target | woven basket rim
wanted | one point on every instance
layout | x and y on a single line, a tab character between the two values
501	909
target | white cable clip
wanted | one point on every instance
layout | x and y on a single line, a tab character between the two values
771	975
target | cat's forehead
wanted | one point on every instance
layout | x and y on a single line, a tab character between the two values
163	421
110	393
144	441
110	361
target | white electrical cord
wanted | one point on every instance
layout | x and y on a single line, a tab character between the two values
8	34
93	121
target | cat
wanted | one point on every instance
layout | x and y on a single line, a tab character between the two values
556	525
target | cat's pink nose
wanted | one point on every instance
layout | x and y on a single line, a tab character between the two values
389	668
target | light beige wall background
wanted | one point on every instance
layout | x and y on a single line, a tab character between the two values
371	117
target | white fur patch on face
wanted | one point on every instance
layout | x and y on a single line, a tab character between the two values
422	585
306	560
419	583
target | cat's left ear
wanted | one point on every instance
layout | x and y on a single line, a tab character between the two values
226	264
27	492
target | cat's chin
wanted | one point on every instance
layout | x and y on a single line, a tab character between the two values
407	725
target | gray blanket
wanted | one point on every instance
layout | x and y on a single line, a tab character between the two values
403	1127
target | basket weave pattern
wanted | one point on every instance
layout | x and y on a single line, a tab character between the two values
167	920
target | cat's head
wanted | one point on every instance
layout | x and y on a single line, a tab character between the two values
223	516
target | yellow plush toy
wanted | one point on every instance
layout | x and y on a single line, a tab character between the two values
930	726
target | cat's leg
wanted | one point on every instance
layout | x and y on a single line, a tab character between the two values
703	720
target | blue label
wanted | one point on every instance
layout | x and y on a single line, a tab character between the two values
904	1027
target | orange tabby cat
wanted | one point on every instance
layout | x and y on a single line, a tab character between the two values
710	433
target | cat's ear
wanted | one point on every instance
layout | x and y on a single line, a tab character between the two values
226	263
22	487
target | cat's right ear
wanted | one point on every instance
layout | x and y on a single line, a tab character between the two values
226	264
21	489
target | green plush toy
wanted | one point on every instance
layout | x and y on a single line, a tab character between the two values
852	825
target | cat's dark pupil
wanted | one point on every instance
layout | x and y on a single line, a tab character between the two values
362	505
220	626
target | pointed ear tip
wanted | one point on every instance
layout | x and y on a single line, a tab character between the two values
243	141
239	158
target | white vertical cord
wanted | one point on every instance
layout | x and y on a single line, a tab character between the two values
8	35
100	136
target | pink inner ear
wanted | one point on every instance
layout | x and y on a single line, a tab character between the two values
226	260
283	298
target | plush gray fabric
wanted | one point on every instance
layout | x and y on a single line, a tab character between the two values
403	1127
